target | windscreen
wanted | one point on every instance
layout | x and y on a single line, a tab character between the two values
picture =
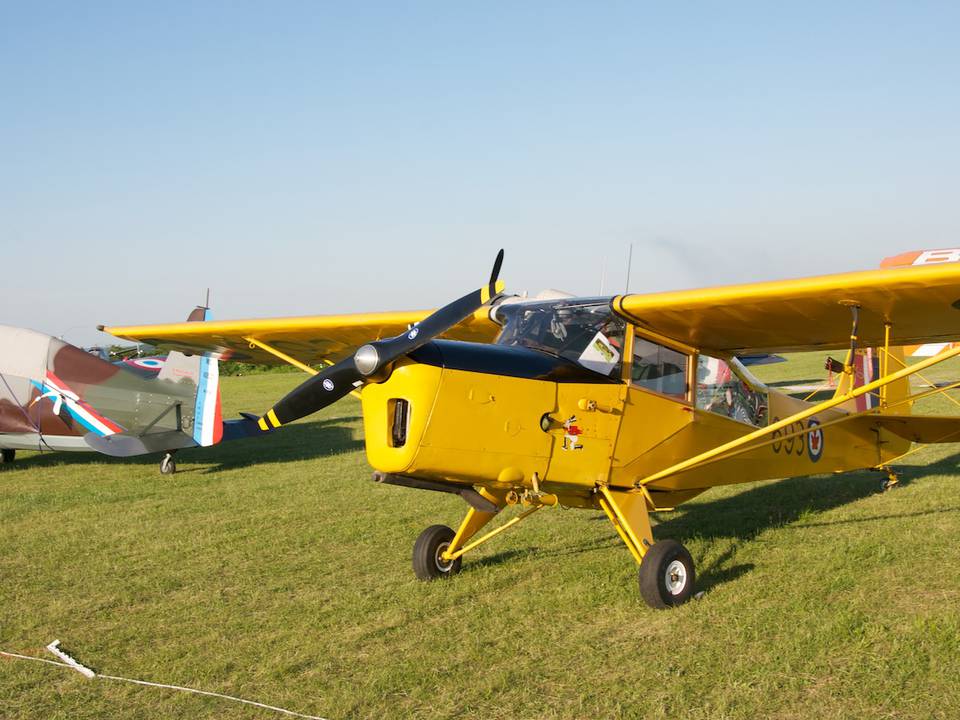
586	332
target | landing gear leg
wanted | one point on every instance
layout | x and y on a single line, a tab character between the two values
431	551
167	465
7	455
666	573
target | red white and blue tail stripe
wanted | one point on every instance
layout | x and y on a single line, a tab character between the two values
208	418
60	394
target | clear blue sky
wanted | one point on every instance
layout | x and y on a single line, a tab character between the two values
312	157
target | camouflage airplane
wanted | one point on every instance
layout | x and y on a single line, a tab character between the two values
55	396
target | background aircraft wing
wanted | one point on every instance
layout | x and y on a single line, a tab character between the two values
311	339
921	302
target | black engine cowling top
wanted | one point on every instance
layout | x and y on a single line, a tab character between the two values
517	362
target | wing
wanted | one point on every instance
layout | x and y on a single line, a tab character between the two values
310	340
921	304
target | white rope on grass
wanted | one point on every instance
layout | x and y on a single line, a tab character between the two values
84	670
31	657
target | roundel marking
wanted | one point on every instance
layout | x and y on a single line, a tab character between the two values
814	440
328	384
145	363
413	333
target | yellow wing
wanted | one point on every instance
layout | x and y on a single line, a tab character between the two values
311	340
921	303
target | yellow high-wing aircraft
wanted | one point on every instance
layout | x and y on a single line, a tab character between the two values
628	405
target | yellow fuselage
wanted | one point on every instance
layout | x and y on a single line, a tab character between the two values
512	433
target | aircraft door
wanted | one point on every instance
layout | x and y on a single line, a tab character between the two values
584	429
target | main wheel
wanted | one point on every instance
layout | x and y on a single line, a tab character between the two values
167	465
666	575
7	455
427	563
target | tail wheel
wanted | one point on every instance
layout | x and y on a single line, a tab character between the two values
7	455
167	465
427	563
666	575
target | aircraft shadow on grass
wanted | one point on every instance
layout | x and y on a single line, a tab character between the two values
744	516
300	441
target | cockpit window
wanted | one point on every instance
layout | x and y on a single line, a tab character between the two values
722	390
586	332
659	368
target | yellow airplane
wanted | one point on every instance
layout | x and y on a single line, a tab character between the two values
629	405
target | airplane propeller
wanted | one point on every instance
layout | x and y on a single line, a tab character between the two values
371	361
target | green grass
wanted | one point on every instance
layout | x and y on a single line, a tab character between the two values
277	571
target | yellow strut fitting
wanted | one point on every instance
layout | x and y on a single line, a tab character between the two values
740	442
282	355
448	556
651	503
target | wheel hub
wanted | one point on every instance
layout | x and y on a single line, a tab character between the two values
443	565
675	577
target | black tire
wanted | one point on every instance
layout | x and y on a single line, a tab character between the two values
7	455
427	564
168	466
663	582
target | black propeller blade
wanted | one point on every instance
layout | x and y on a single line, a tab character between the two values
321	390
371	360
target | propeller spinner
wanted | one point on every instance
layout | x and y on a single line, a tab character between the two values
370	361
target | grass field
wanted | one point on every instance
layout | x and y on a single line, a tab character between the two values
276	570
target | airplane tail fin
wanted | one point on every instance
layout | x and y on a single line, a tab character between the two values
203	370
178	408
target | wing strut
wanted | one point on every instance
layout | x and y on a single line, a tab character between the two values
290	360
282	355
758	434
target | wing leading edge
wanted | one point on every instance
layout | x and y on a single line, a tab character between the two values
309	339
